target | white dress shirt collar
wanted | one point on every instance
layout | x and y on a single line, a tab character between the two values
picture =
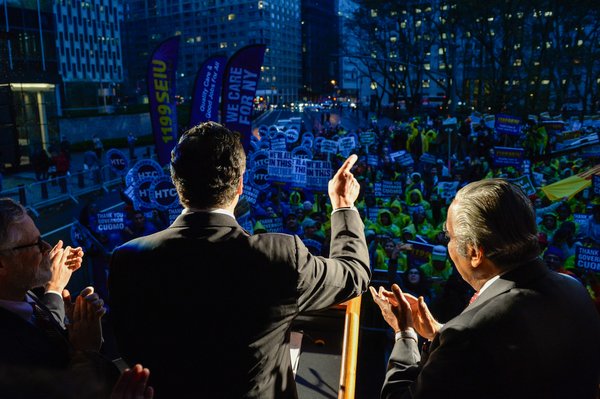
215	210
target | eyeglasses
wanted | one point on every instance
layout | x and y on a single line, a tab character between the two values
41	244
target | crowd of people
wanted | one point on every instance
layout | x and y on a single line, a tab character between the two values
452	227
404	229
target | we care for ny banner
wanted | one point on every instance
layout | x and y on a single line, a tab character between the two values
162	69
239	88
207	89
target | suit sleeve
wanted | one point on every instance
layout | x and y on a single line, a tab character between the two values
56	306
443	373
324	282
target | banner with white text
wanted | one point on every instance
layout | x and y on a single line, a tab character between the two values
162	70
242	75
207	90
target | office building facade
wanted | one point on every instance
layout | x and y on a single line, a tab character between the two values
216	27
29	80
88	43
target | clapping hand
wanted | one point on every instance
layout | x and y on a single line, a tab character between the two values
132	384
85	327
402	310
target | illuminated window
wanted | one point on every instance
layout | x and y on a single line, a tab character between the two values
223	45
427	67
517	62
231	17
261	5
425	83
373	13
198	38
545	81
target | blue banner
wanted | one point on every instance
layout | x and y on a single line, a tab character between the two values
506	124
162	69
207	89
242	75
508	156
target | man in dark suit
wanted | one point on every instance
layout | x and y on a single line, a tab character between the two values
528	333
204	294
37	356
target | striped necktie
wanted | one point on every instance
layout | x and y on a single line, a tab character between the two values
44	320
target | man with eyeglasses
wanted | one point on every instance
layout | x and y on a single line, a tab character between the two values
45	339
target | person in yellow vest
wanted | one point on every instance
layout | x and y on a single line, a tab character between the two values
389	256
399	218
385	224
438	269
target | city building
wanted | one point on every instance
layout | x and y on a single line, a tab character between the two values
320	50
448	55
88	43
214	27
29	81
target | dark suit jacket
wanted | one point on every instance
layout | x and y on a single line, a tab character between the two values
532	334
205	294
33	365
22	343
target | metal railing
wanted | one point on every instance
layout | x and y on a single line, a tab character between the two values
37	195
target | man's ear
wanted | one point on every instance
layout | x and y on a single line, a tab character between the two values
240	187
476	256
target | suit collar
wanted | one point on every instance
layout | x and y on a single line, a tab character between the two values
521	274
195	218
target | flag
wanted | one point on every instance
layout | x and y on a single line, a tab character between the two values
242	75
570	186
207	90
162	69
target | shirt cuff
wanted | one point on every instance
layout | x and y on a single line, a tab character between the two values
409	333
54	292
352	208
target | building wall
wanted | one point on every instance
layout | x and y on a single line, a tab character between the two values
88	42
211	27
320	49
28	74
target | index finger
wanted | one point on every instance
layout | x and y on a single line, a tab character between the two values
374	293
348	164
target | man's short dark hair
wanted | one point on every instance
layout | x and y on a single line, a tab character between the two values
207	165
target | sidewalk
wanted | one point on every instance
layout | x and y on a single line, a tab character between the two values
11	180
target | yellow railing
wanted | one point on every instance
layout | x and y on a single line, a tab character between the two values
350	349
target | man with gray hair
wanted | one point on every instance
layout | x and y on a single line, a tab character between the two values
528	332
39	351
